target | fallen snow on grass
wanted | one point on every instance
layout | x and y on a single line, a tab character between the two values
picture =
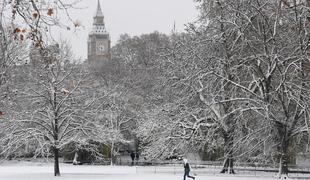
44	171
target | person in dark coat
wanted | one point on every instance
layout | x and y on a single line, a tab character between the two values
187	169
137	158
132	155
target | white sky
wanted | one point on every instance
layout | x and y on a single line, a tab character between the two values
133	17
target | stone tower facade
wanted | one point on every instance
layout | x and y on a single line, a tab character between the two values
99	49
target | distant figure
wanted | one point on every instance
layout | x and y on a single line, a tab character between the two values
137	158
187	170
132	155
75	159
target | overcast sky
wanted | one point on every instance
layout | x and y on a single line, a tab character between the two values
133	17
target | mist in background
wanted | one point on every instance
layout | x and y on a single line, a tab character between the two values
133	17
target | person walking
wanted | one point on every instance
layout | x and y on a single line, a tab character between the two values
187	170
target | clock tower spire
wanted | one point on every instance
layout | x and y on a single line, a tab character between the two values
98	39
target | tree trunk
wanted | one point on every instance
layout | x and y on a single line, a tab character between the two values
56	162
283	149
112	153
283	169
228	165
56	132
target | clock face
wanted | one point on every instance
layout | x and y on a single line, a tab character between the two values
100	48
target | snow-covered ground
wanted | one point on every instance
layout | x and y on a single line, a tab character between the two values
44	171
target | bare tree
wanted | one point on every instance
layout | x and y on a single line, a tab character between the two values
12	53
128	81
54	109
241	66
267	39
32	19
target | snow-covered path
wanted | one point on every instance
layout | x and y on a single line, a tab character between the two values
44	171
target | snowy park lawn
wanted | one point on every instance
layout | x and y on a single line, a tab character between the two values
44	171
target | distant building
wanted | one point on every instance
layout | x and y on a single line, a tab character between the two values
99	42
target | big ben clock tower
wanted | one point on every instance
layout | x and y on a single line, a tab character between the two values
98	40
